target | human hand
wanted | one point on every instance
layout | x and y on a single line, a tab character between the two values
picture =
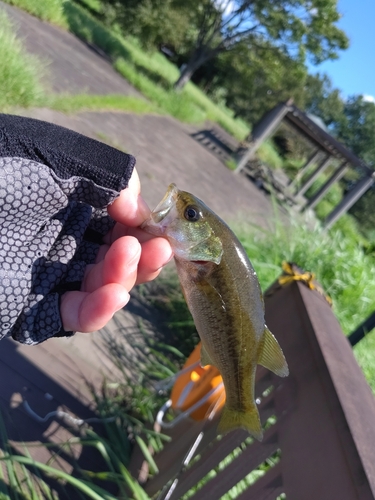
129	256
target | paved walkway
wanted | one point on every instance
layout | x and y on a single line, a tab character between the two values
54	375
71	65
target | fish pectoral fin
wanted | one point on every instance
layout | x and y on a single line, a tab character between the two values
271	356
205	358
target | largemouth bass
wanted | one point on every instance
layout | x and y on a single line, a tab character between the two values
223	294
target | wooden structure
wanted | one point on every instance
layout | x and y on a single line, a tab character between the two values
326	149
320	439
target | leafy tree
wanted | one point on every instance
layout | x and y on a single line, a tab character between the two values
256	78
357	129
321	99
251	80
298	28
153	22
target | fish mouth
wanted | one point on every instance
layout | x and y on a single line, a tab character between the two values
153	224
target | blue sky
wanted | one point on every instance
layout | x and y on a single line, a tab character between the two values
354	71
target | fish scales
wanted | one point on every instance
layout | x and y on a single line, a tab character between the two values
230	330
223	294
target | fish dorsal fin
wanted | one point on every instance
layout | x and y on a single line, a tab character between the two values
205	358
271	356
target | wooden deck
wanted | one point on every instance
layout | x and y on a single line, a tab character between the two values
58	374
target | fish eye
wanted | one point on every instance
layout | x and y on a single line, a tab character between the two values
192	213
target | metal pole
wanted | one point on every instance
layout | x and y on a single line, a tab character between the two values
363	329
354	194
314	200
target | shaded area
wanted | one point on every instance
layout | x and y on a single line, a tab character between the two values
222	145
24	386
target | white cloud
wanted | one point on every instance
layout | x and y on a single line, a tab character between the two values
368	98
228	6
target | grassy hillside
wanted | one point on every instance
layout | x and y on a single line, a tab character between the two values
20	74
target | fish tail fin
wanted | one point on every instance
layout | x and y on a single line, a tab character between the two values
248	420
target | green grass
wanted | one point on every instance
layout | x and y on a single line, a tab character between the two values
24	484
152	74
20	73
112	102
92	5
231	164
340	263
154	70
51	11
174	104
268	154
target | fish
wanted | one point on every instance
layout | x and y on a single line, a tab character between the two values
222	291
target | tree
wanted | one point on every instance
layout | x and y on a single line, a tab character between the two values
251	80
153	22
357	128
257	78
321	99
298	28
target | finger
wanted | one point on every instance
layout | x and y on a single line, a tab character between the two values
88	312
129	208
156	253
119	265
119	230
102	253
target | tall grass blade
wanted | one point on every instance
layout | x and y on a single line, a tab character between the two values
146	452
80	485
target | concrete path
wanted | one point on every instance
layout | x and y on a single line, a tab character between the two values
165	153
71	65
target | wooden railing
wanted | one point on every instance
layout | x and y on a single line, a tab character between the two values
319	442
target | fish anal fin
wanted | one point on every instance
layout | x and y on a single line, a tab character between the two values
271	356
205	357
248	420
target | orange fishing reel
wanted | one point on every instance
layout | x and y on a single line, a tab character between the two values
196	391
